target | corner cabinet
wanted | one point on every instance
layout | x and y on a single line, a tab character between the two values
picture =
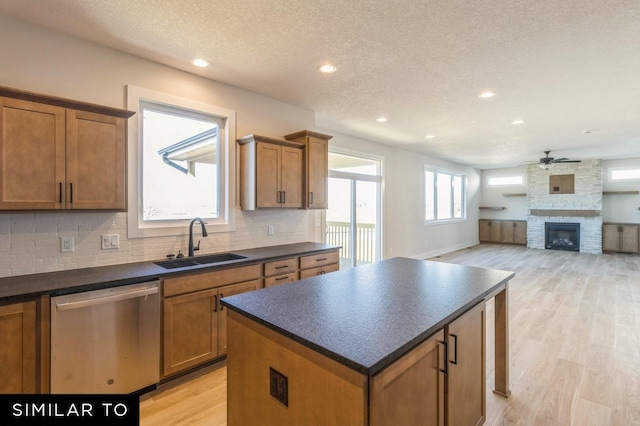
271	173
59	154
316	167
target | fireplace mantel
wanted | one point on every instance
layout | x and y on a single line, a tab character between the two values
568	213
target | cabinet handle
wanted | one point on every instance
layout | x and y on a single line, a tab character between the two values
514	224
455	349
284	197
310	197
282	278
445	357
282	267
619	228
220	300
215	303
71	192
60	192
489	223
322	259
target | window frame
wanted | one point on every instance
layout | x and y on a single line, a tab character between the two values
451	174
136	226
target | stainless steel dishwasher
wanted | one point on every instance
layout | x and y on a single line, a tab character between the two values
106	341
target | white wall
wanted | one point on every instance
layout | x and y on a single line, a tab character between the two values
493	196
404	232
621	208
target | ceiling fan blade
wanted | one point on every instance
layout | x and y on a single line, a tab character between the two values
567	161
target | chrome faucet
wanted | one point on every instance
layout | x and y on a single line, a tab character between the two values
204	234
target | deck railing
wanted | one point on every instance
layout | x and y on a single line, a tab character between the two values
338	233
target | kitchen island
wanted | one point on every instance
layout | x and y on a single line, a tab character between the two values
399	341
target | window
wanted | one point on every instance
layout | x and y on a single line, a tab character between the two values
183	165
444	196
618	174
513	180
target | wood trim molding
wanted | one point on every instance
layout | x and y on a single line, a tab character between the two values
8	92
561	212
257	138
304	133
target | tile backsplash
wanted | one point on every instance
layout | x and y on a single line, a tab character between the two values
30	242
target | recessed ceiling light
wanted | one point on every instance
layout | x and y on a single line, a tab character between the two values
518	121
381	119
200	63
587	131
487	94
327	68
429	136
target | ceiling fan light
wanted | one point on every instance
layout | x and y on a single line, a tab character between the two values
545	166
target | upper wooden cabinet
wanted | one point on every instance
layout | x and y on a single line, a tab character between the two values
271	173
58	154
316	167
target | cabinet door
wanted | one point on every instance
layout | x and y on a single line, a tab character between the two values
190	332
318	173
32	150
484	230
507	231
291	175
629	238
466	368
320	270
520	233
411	390
610	237
18	348
281	279
230	290
268	166
95	161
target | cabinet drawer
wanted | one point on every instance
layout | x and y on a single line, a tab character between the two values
318	271
280	279
280	267
205	280
322	259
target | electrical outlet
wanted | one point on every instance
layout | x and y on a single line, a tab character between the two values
111	241
278	386
270	230
66	244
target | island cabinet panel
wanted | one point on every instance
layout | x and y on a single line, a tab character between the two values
465	388
318	389
226	291
411	391
18	350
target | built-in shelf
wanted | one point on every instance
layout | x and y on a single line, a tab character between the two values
620	192
493	208
568	213
515	195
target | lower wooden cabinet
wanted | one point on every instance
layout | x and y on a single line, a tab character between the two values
502	231
194	322
281	271
620	237
319	264
18	348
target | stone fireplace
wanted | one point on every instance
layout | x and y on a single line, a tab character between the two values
583	207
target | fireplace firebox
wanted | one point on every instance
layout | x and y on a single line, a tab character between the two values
562	236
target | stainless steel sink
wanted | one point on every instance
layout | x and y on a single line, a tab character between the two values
199	260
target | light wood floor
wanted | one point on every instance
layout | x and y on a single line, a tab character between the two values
574	345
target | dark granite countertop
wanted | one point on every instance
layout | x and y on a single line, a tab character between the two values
368	317
86	279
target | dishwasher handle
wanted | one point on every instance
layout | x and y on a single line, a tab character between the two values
66	306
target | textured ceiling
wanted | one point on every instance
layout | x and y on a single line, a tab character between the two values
564	66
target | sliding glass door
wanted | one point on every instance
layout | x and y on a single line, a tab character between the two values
353	217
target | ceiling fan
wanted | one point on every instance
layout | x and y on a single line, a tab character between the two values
547	162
